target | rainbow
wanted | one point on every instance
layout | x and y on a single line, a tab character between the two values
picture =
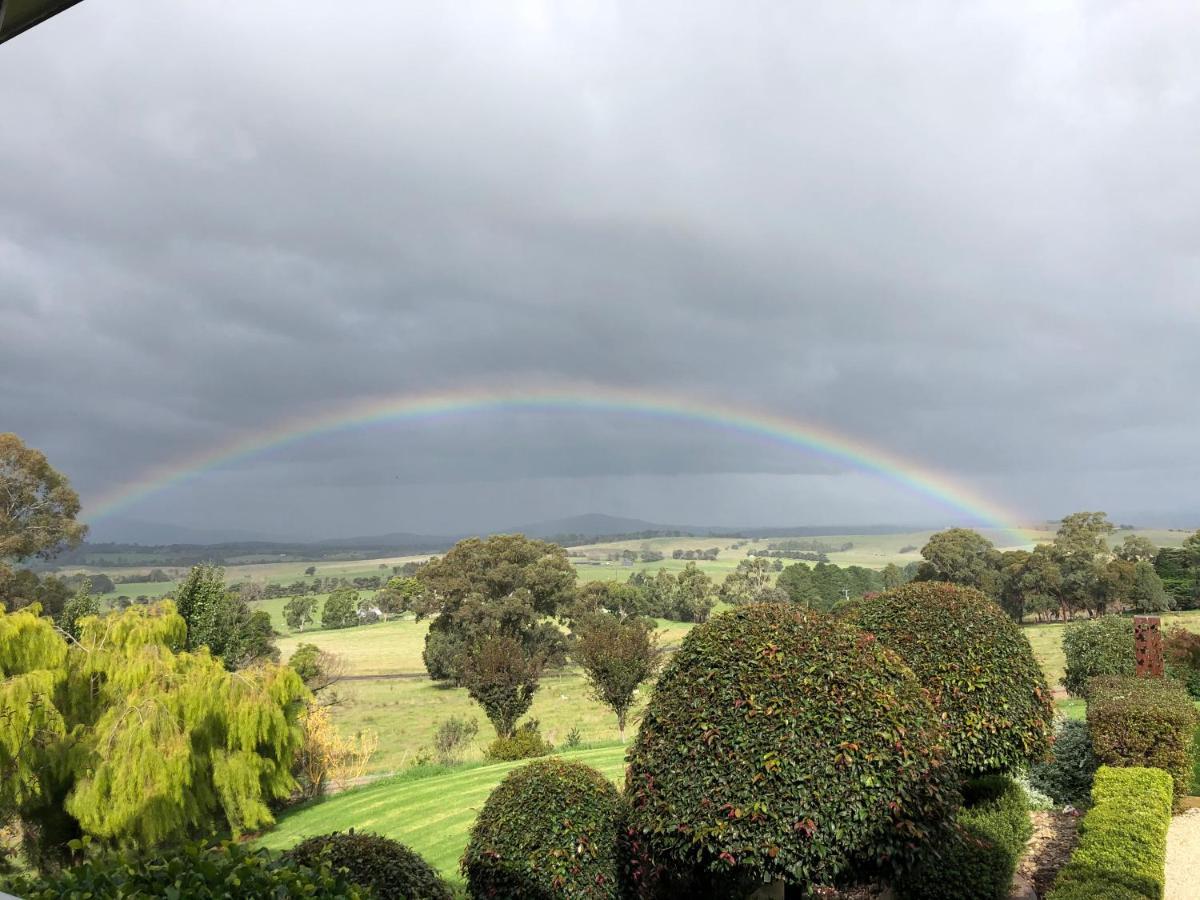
810	437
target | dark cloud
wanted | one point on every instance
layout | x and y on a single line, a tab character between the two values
965	234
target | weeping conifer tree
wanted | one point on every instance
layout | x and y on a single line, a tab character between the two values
120	734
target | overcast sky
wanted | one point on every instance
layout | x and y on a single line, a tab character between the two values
965	233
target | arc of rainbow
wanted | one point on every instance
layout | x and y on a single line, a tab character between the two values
813	438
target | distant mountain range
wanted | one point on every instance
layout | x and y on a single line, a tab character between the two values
590	525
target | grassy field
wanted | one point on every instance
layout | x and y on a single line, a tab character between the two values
390	693
413	808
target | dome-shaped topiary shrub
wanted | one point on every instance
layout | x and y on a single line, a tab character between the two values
549	830
977	667
781	744
391	870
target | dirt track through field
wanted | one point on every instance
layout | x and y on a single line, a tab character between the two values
1183	856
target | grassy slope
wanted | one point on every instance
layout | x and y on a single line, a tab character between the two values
417	811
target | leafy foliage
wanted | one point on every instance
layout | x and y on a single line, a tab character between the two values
1097	647
119	736
524	743
506	585
1122	849
79	607
299	611
964	557
37	504
341	609
388	868
193	871
549	830
502	679
976	664
1143	722
979	859
451	737
781	743
222	621
1067	778
617	656
320	670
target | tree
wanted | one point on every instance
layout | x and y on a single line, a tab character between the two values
341	609
1135	548
83	604
20	588
398	596
320	670
299	611
748	582
502	677
120	736
311	570
503	585
694	595
797	581
37	504
964	557
1081	546
893	576
1147	594
219	619
617	657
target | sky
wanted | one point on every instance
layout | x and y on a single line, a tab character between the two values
964	234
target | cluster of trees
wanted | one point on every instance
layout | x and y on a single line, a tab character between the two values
129	728
1179	569
1079	572
710	554
812	550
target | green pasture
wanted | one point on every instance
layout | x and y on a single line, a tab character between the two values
430	813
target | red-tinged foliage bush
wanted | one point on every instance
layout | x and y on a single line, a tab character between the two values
548	831
977	666
781	744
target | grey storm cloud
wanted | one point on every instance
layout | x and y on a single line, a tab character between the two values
966	234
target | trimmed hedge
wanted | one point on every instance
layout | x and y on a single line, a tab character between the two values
1095	648
783	744
549	830
977	666
191	870
391	870
979	861
1067	778
1122	851
1143	722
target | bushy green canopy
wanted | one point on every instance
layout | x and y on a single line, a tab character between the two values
783	744
976	665
135	740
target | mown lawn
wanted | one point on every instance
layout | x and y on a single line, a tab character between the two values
430	813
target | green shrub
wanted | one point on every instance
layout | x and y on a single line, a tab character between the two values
1067	778
977	665
193	871
389	869
1143	722
548	830
525	743
783	744
451	738
979	859
1122	849
1097	647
